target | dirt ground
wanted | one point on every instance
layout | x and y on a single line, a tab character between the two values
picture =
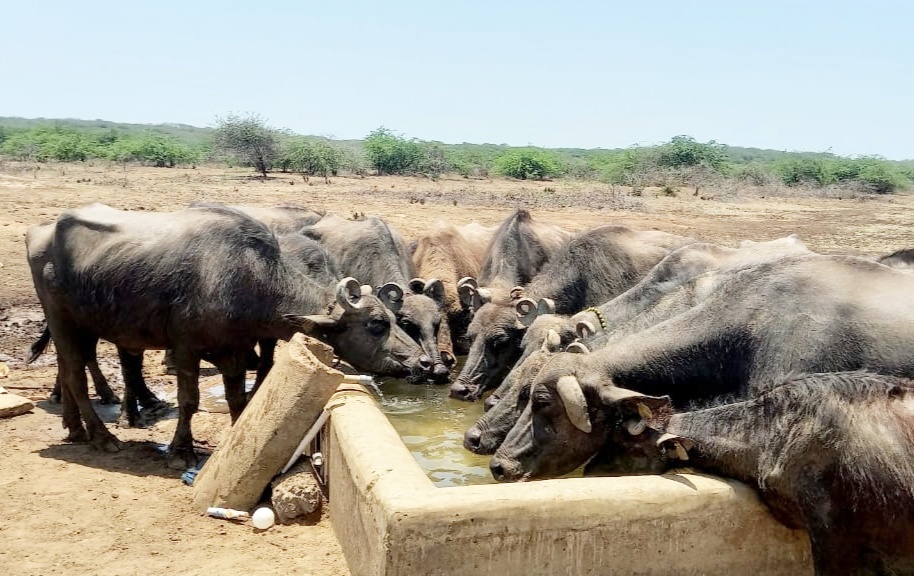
69	510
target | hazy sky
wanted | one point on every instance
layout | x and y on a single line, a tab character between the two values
794	75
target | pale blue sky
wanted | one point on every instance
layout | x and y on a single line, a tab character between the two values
794	75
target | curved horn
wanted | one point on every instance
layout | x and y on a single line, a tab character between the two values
545	306
585	329
552	340
516	292
577	348
349	294
526	311
466	291
416	285
468	281
391	294
434	289
572	396
676	444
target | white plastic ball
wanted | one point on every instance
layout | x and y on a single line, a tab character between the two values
263	518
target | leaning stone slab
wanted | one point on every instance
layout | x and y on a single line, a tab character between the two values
266	434
296	493
14	405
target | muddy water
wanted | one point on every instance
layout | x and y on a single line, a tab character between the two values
432	425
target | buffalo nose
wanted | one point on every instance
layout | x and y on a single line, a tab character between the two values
490	402
459	391
498	470
472	439
441	374
426	363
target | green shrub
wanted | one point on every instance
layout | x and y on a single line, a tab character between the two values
389	153
311	156
528	164
684	151
798	171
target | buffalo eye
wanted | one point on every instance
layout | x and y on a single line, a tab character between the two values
541	401
377	327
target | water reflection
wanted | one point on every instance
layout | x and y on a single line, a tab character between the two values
431	425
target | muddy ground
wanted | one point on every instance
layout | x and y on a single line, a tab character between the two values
69	510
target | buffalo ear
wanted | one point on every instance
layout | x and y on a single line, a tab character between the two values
311	324
634	404
434	289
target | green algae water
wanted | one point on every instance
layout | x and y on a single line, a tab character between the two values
432	424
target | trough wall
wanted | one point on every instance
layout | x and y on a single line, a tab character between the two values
391	520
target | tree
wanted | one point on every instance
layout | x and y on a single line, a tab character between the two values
528	164
389	153
684	151
249	139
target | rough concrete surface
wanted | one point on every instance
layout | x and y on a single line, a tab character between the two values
390	519
296	493
271	426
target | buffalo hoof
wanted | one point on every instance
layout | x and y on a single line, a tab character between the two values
54	398
111	398
181	458
78	436
110	444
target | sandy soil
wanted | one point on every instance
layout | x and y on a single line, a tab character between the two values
70	510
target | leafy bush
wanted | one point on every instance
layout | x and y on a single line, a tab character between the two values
389	153
684	151
528	164
311	156
803	171
754	174
153	149
248	139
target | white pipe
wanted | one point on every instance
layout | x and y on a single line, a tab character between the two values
322	419
312	432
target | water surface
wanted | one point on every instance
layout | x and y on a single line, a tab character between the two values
431	424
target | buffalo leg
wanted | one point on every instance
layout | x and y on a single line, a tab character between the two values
105	393
182	445
135	389
73	351
232	366
267	350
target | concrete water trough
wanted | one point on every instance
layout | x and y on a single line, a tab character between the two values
391	519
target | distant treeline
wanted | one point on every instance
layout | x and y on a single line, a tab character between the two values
247	140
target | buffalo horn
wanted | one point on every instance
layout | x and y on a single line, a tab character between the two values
349	294
392	295
416	285
585	329
572	396
577	348
526	311
545	306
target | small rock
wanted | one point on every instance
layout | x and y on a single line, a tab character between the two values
296	493
14	405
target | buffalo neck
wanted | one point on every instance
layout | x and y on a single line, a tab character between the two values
728	439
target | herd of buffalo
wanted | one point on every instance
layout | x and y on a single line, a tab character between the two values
622	350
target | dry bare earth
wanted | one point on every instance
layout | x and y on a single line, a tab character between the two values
69	510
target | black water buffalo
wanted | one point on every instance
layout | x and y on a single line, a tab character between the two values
594	267
203	281
372	252
519	249
450	253
830	453
809	313
304	257
712	262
